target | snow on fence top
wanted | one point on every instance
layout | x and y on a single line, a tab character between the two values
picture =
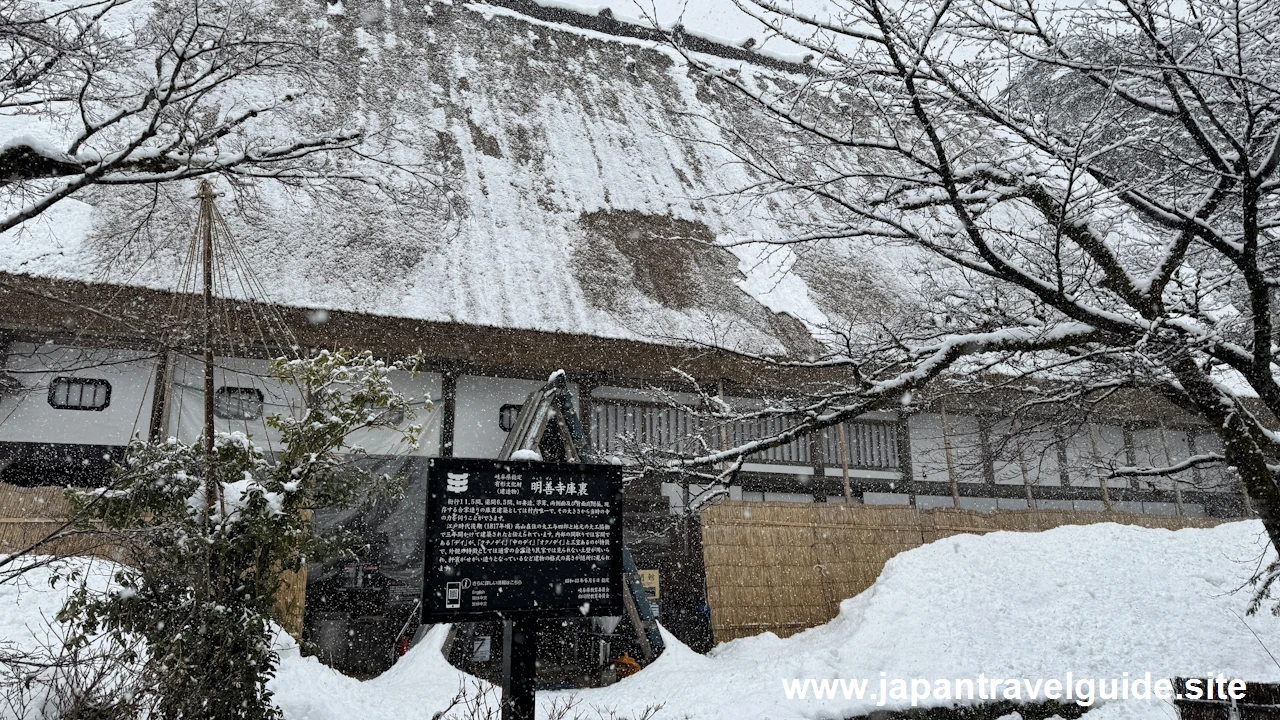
580	189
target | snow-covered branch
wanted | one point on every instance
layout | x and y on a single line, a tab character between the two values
1082	200
240	88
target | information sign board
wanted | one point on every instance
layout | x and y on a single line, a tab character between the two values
509	539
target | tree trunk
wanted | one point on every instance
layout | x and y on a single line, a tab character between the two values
1243	441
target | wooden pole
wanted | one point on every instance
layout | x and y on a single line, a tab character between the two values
519	668
1168	458
951	469
1097	461
205	225
1026	472
844	464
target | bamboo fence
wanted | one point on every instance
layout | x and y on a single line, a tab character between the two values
28	515
785	567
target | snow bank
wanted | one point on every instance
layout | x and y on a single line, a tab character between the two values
1097	601
29	604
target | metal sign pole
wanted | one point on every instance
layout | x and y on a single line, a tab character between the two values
519	668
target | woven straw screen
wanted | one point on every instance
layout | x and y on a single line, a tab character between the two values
785	567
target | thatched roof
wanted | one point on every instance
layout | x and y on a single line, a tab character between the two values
586	194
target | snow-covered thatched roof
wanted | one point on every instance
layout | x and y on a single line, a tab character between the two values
586	193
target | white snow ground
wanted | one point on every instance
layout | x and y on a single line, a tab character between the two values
1096	601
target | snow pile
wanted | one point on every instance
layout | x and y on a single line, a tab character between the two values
1096	601
29	602
29	605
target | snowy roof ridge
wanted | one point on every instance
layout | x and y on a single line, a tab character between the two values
605	24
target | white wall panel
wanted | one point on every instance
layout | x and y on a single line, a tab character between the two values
418	391
27	416
1213	478
476	433
186	417
1022	455
1093	452
1161	447
186	401
941	450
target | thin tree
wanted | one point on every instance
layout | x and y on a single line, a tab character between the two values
1083	197
126	92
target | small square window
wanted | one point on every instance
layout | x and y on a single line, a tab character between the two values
71	393
237	403
507	416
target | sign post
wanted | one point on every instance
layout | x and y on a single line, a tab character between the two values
519	668
517	541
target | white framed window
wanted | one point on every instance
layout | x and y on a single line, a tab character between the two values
72	393
237	403
507	415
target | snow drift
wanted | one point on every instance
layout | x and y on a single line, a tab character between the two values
1096	601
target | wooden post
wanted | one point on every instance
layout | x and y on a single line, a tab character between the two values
946	448
519	668
906	467
1168	458
448	410
205	226
1026	473
724	429
158	427
1097	460
844	464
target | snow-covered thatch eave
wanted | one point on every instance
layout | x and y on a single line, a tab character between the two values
89	314
604	23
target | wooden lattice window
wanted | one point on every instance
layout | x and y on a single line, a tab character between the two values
72	393
238	403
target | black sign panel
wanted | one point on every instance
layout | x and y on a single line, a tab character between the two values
518	538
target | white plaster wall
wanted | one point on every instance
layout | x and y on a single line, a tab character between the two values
1161	447
418	391
929	439
1092	451
26	416
1024	455
186	400
476	433
187	405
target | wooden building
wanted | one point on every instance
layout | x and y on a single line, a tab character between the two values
575	230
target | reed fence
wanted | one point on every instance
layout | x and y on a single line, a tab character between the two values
785	567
